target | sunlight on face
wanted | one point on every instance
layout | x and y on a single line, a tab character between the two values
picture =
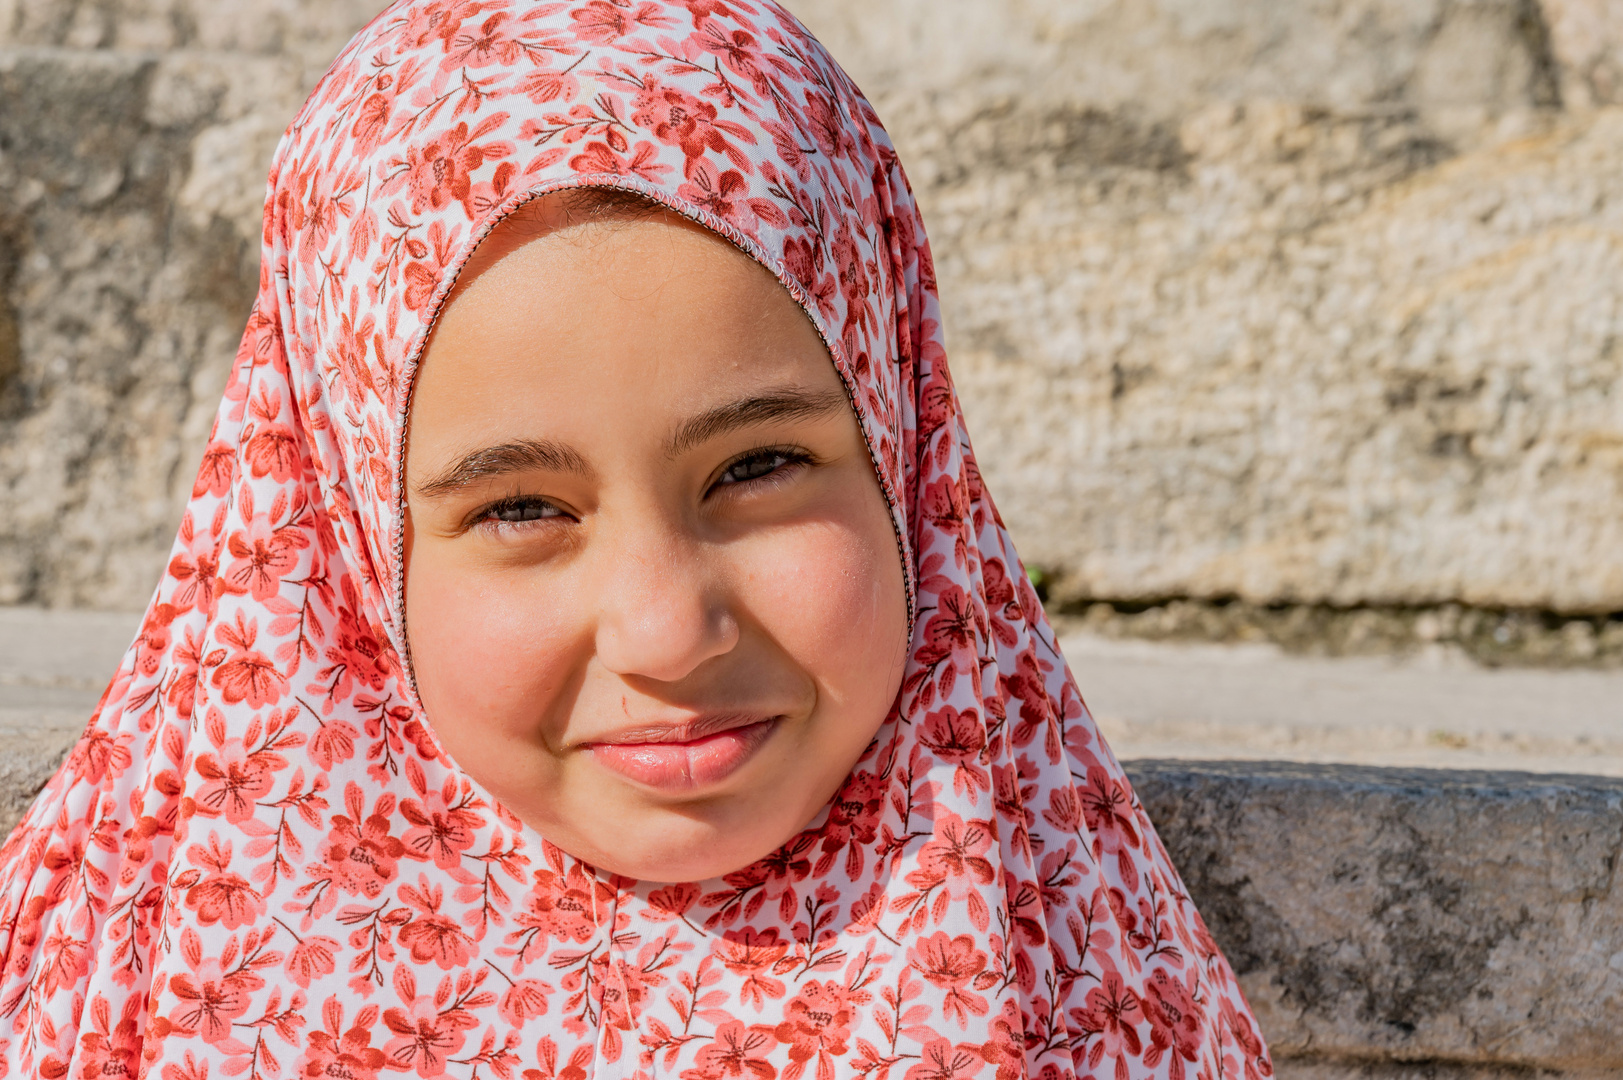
653	594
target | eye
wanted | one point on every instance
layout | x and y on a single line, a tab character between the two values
760	464
517	511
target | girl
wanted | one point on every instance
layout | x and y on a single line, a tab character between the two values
589	649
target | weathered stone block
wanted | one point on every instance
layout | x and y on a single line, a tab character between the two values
128	269
1462	920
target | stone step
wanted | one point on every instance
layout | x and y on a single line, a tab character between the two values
1158	700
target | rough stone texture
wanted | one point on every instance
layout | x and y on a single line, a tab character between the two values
126	270
309	32
1303	302
1456	921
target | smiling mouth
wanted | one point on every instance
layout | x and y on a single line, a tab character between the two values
685	757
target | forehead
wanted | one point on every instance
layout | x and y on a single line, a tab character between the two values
654	316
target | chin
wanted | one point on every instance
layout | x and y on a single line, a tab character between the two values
685	854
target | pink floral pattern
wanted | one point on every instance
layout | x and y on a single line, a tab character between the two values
258	863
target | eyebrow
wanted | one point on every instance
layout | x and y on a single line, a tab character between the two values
524	455
789	403
547	455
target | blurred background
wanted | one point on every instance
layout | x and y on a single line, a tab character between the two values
1289	333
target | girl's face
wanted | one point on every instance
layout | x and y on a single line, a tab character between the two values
654	597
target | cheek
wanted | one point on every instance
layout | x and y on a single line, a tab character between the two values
833	598
482	647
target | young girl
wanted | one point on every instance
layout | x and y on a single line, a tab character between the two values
589	650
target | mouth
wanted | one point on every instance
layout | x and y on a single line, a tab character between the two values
684	757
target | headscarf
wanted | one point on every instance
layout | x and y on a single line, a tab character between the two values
258	862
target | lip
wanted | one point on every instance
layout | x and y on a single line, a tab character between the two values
685	756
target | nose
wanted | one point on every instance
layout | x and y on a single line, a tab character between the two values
662	612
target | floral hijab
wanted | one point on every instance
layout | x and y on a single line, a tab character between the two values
257	862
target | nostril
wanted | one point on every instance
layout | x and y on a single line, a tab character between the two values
664	638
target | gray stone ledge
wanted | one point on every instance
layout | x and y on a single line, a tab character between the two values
1397	923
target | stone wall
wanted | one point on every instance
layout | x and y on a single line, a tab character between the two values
1298	302
1406	923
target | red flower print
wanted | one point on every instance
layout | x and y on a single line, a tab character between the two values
1108	806
1064	809
247	675
497	40
233	780
956	855
600	157
371	120
219	895
1109	1018
273	452
752	954
424	1038
853	822
356	655
350	354
1175	1021
737	49
827	126
194	571
803	262
421	282
441	829
855	275
1006	1049
542	86
211	999
310	958
941	1060
603	22
112	1051
66	959
1255	1055
945	503
952	628
736	1051
153	640
1000	591
817	1023
935	412
227	899
182	694
263	555
100	755
716	192
677	118
430	935
441	169
561	906
338	1052
523	999
218	470
427	23
359	854
951	963
437	938
958	739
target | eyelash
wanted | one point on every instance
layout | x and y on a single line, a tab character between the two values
783	459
